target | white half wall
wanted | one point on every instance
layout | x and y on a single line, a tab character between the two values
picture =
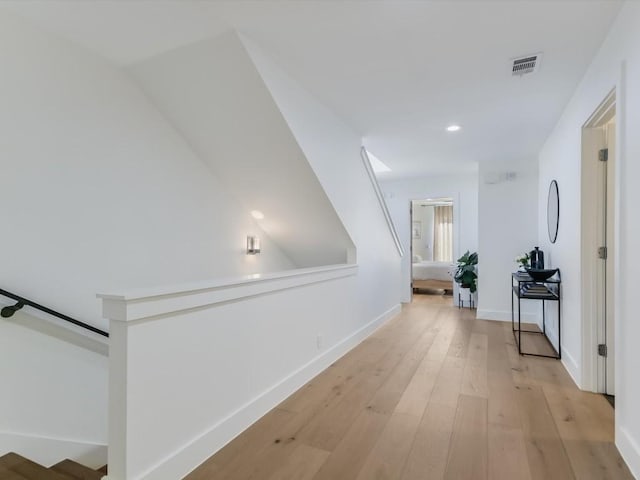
463	189
616	65
508	226
193	368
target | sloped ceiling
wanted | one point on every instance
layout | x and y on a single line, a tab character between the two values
398	72
213	94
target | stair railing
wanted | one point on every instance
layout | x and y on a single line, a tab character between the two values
8	312
381	201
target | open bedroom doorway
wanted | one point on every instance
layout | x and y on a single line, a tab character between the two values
600	234
432	246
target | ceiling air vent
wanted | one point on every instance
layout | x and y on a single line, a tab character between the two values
524	65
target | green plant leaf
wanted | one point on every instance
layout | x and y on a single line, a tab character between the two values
465	273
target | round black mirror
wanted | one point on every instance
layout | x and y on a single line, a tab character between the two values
553	211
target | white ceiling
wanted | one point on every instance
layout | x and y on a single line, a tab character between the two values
398	72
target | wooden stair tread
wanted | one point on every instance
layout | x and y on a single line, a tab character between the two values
76	471
16	467
10	459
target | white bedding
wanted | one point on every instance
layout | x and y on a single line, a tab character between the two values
433	271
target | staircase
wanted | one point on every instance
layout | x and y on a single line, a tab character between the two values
16	467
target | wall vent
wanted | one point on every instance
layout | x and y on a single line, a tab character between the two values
525	65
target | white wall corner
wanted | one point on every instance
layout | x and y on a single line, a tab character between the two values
570	364
114	309
572	367
629	448
118	358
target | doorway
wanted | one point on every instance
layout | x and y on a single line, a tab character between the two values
599	229
432	245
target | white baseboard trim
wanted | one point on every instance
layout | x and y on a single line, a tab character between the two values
568	360
182	461
630	450
505	316
571	367
48	451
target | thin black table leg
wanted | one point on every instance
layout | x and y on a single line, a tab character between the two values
519	327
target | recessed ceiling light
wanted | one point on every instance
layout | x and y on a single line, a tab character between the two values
453	128
257	214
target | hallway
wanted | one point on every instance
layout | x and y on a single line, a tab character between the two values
432	394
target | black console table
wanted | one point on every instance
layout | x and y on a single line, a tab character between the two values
523	287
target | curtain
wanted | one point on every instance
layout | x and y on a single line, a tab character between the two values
443	233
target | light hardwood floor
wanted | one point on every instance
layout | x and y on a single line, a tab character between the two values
434	394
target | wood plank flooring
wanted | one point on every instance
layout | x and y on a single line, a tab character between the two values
434	394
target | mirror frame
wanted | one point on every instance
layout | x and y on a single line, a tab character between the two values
553	223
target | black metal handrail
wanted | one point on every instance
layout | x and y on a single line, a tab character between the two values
8	311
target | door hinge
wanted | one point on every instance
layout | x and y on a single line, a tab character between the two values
602	350
602	253
603	155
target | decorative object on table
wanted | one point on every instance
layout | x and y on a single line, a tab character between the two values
466	274
553	211
536	258
541	274
534	289
523	261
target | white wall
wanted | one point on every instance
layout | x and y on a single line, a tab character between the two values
213	93
98	192
508	226
270	343
250	345
463	189
333	151
54	398
423	246
105	194
617	64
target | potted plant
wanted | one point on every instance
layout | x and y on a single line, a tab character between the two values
466	274
522	261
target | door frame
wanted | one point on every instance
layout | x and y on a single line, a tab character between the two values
455	197
592	324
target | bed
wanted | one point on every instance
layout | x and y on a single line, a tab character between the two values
432	275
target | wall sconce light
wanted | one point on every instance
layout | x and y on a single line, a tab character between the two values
253	245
